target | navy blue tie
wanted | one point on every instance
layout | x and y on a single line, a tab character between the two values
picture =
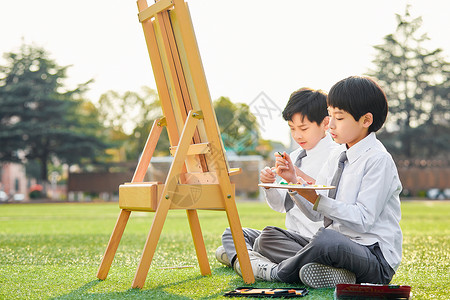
335	182
288	203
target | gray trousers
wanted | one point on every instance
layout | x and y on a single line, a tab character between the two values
327	247
250	235
278	247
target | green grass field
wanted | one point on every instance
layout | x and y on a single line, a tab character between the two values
54	250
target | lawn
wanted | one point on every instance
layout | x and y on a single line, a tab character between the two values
54	250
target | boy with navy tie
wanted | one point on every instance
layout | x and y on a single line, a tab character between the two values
361	240
307	117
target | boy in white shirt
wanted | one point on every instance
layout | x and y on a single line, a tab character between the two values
306	113
364	241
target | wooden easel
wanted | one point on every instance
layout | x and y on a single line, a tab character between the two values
199	177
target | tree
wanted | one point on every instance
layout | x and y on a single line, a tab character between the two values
129	116
40	119
238	126
124	112
416	82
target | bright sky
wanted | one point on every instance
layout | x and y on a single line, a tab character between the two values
247	47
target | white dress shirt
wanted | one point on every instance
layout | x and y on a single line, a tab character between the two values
367	205
315	158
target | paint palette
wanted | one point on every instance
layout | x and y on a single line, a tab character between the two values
296	186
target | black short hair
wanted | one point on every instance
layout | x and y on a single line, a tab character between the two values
308	102
359	95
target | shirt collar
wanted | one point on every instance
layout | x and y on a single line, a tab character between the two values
361	147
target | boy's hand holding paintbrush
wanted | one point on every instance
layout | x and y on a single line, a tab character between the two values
286	169
269	175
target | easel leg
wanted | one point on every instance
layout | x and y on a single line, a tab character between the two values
239	242
199	244
113	244
165	201
150	244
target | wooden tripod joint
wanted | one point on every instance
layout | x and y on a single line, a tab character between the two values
162	122
198	115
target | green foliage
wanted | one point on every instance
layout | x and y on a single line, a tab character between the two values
238	126
40	120
124	112
129	117
417	84
54	251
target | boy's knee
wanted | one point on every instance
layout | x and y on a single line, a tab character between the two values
267	233
330	244
226	234
325	238
227	231
269	230
266	237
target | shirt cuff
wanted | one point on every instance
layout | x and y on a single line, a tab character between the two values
316	204
325	205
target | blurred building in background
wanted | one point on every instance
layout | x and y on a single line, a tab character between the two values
13	182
